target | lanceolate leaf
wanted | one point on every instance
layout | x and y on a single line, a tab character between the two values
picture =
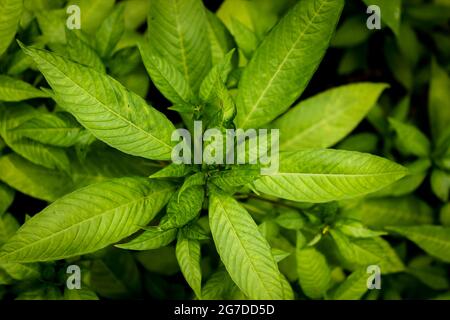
31	179
115	275
114	115
363	252
435	240
47	156
110	32
80	294
313	272
438	102
8	226
57	129
235	177
151	238
243	250
220	39
6	196
172	171
10	12
81	51
326	175
89	219
440	184
184	208
188	256
168	79
12	89
177	31
285	61
353	288
323	120
410	140
384	212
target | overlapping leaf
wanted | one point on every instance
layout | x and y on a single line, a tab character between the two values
114	115
326	175
90	219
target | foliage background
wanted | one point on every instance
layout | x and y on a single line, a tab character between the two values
401	54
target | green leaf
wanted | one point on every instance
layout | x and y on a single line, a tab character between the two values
112	114
184	208
10	12
243	250
135	14
364	252
286	61
218	286
8	227
440	184
81	51
173	170
47	156
80	294
218	74
391	11
52	23
246	39
398	64
178	32
87	220
314	274
356	229
56	129
21	272
115	275
220	39
6	196
432	276
290	219
197	179
410	140
165	76
323	120
280	255
237	176
327	175
188	256
435	240
362	142
418	172
439	101
162	260
110	32
12	89
351	33
444	215
151	238
31	179
353	288
382	212
49	185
